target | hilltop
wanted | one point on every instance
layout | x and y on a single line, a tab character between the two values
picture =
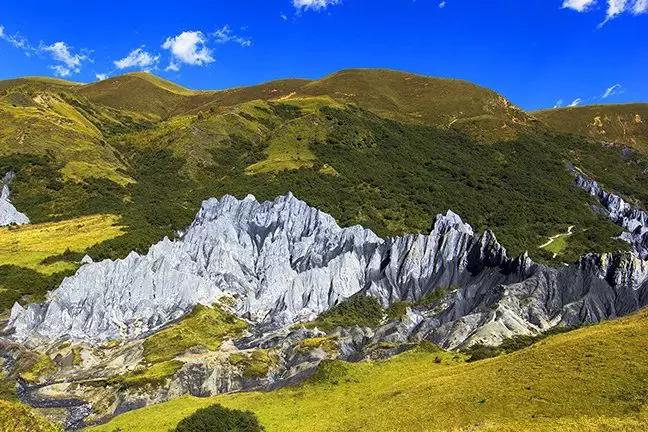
621	124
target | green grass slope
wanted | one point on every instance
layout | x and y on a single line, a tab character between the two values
592	379
146	93
48	120
434	101
139	92
36	257
15	417
622	124
390	176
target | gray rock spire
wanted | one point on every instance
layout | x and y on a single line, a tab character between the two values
285	261
8	213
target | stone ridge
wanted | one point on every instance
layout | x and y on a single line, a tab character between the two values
8	213
284	261
633	220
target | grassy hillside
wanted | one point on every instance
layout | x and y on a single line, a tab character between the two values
384	149
446	103
33	246
35	257
590	379
16	417
146	93
139	92
46	119
390	176
622	124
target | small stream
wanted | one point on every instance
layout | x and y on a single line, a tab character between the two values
77	409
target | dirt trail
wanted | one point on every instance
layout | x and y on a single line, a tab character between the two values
554	237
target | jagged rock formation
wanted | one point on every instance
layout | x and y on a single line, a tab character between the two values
285	261
634	220
8	213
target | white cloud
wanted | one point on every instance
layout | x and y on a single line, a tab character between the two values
173	67
69	61
17	41
639	7
225	34
188	47
611	91
576	102
101	76
61	70
442	4
61	52
284	17
558	103
578	5
613	9
314	4
137	58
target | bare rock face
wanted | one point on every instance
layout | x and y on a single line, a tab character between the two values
8	213
634	220
284	262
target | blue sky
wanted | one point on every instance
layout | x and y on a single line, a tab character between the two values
534	52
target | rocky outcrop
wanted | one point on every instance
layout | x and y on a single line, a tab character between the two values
8	213
284	261
632	219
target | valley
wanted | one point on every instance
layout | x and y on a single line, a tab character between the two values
351	227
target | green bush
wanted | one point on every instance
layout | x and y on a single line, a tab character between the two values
360	310
481	352
219	419
397	310
509	345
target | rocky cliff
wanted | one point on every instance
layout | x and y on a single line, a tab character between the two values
284	261
8	213
632	219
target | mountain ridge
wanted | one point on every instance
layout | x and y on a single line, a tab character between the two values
624	124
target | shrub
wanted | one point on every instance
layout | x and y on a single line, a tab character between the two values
16	417
330	372
481	352
360	310
509	345
255	365
397	310
216	418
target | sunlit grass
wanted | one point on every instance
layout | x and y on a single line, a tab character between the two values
590	379
15	417
28	245
154	375
78	170
204	326
42	366
288	146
